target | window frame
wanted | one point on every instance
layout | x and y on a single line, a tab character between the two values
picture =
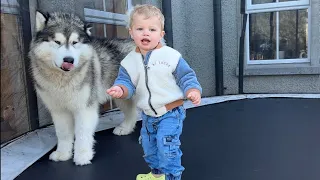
276	7
104	17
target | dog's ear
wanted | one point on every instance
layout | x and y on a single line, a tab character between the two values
87	28
41	20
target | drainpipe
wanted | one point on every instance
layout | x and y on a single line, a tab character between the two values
167	12
218	47
241	46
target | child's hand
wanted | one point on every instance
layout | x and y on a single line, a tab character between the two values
115	91
195	97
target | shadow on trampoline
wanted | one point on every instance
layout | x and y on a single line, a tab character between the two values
251	139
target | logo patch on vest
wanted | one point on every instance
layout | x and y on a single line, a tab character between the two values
161	63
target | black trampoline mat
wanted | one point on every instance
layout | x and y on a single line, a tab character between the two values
251	139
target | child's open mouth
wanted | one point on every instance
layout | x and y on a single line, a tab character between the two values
145	41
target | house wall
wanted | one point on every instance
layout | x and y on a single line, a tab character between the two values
230	43
193	36
289	78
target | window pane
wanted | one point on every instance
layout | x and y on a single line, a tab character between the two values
262	1
97	30
262	36
287	0
293	34
269	1
116	6
117	31
14	115
111	31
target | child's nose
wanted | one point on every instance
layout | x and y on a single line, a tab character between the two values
146	32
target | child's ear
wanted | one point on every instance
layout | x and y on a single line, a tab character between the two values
162	33
130	32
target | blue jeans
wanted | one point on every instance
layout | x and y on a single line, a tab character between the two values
160	138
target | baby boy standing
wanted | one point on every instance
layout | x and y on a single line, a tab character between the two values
158	78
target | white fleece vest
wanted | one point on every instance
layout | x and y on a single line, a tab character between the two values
160	80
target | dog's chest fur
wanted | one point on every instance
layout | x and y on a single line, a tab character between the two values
66	98
59	92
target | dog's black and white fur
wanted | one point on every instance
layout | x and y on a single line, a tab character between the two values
72	72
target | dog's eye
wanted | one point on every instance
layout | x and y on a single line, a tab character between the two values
58	42
74	42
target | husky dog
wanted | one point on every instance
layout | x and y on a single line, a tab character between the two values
72	72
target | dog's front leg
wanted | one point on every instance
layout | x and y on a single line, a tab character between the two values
63	123
86	121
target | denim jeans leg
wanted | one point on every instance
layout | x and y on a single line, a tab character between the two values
168	142
171	177
149	143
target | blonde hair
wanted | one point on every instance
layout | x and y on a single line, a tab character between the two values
148	11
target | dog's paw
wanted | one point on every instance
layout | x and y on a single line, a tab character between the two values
123	129
60	156
83	157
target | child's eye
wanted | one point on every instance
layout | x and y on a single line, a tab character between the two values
153	30
139	29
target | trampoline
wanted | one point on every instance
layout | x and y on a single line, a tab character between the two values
248	139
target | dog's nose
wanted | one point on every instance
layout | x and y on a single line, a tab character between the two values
68	59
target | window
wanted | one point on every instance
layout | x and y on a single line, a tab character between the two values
277	31
14	109
109	19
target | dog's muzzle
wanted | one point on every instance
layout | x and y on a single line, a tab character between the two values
67	64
